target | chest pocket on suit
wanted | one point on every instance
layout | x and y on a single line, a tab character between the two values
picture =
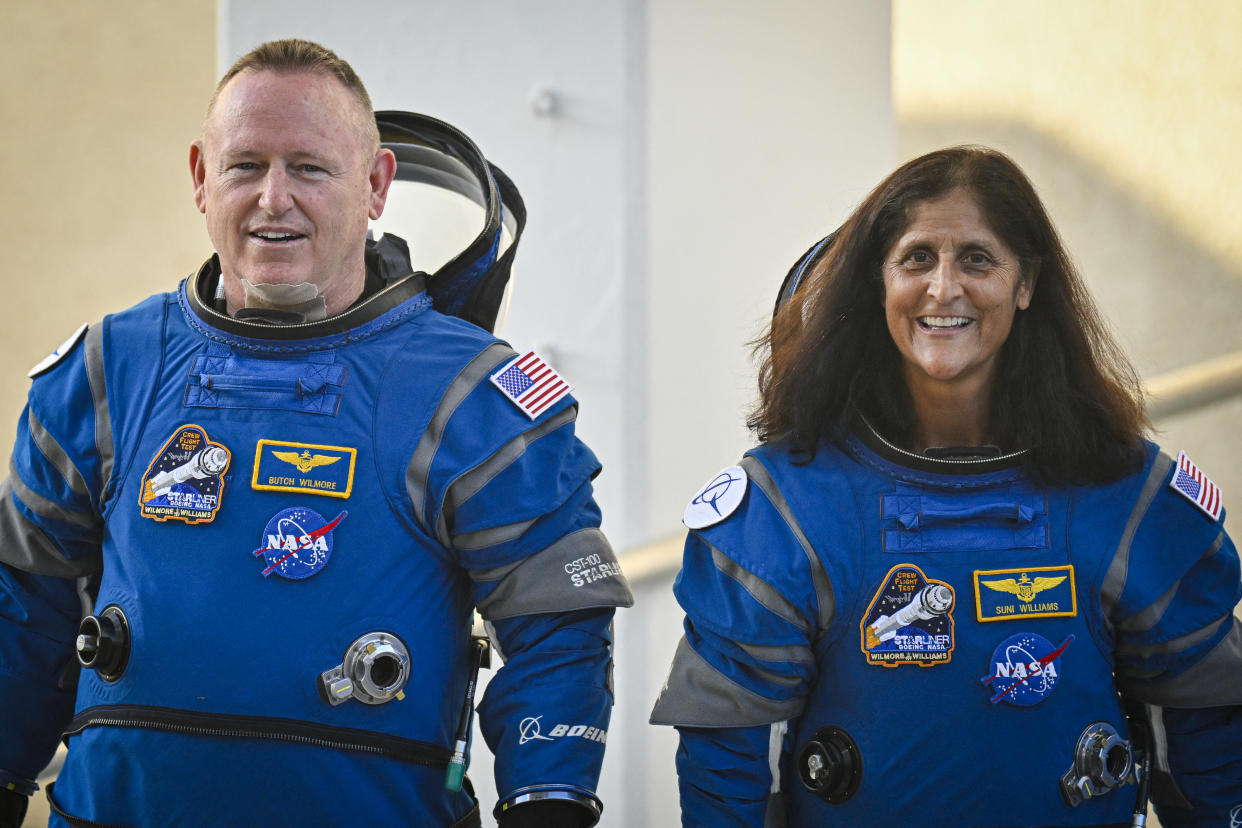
918	520
309	383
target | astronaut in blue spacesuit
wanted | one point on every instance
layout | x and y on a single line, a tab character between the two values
954	585
260	511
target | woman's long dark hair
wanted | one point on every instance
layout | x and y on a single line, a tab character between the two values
1064	389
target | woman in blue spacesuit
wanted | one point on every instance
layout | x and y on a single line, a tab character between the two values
954	584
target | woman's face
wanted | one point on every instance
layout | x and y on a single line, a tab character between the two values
951	288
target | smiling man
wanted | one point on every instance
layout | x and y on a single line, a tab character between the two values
247	522
288	172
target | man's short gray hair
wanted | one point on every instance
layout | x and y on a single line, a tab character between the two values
291	56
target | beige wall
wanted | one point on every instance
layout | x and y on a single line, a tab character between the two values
98	105
1127	115
100	102
1146	90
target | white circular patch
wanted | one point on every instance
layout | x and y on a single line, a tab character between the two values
56	356
717	499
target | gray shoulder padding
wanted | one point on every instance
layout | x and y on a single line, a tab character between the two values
1213	681
24	546
824	595
418	470
579	571
698	695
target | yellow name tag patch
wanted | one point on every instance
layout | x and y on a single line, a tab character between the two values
1030	592
309	468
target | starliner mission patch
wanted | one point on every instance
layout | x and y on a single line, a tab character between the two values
909	621
185	480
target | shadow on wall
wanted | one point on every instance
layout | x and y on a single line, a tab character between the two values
1169	302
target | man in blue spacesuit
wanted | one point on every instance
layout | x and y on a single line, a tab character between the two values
261	509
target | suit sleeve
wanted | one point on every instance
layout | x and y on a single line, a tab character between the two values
745	663
511	499
1178	646
50	533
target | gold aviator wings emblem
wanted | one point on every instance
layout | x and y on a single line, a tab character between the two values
305	461
1025	587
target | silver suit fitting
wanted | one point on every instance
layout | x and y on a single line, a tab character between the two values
374	670
592	807
1102	761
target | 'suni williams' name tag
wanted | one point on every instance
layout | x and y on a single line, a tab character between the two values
1029	592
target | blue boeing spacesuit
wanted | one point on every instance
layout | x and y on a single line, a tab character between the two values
882	638
279	534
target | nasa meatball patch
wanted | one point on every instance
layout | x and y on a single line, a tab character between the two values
297	543
718	498
185	480
1025	669
909	621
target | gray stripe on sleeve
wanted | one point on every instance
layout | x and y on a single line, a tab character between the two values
27	548
93	355
1211	682
1119	568
761	590
1159	738
776	742
1165	790
494	536
779	679
774	815
696	694
819	577
1174	645
579	571
47	508
789	653
56	455
468	484
1147	619
418	471
484	576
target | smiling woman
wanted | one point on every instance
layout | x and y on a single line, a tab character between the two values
946	312
953	524
951	288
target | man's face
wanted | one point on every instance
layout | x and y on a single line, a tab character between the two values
288	182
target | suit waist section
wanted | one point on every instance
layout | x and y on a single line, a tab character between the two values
1005	709
335	658
293	731
143	776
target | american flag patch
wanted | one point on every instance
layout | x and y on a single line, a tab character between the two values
1196	486
531	384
